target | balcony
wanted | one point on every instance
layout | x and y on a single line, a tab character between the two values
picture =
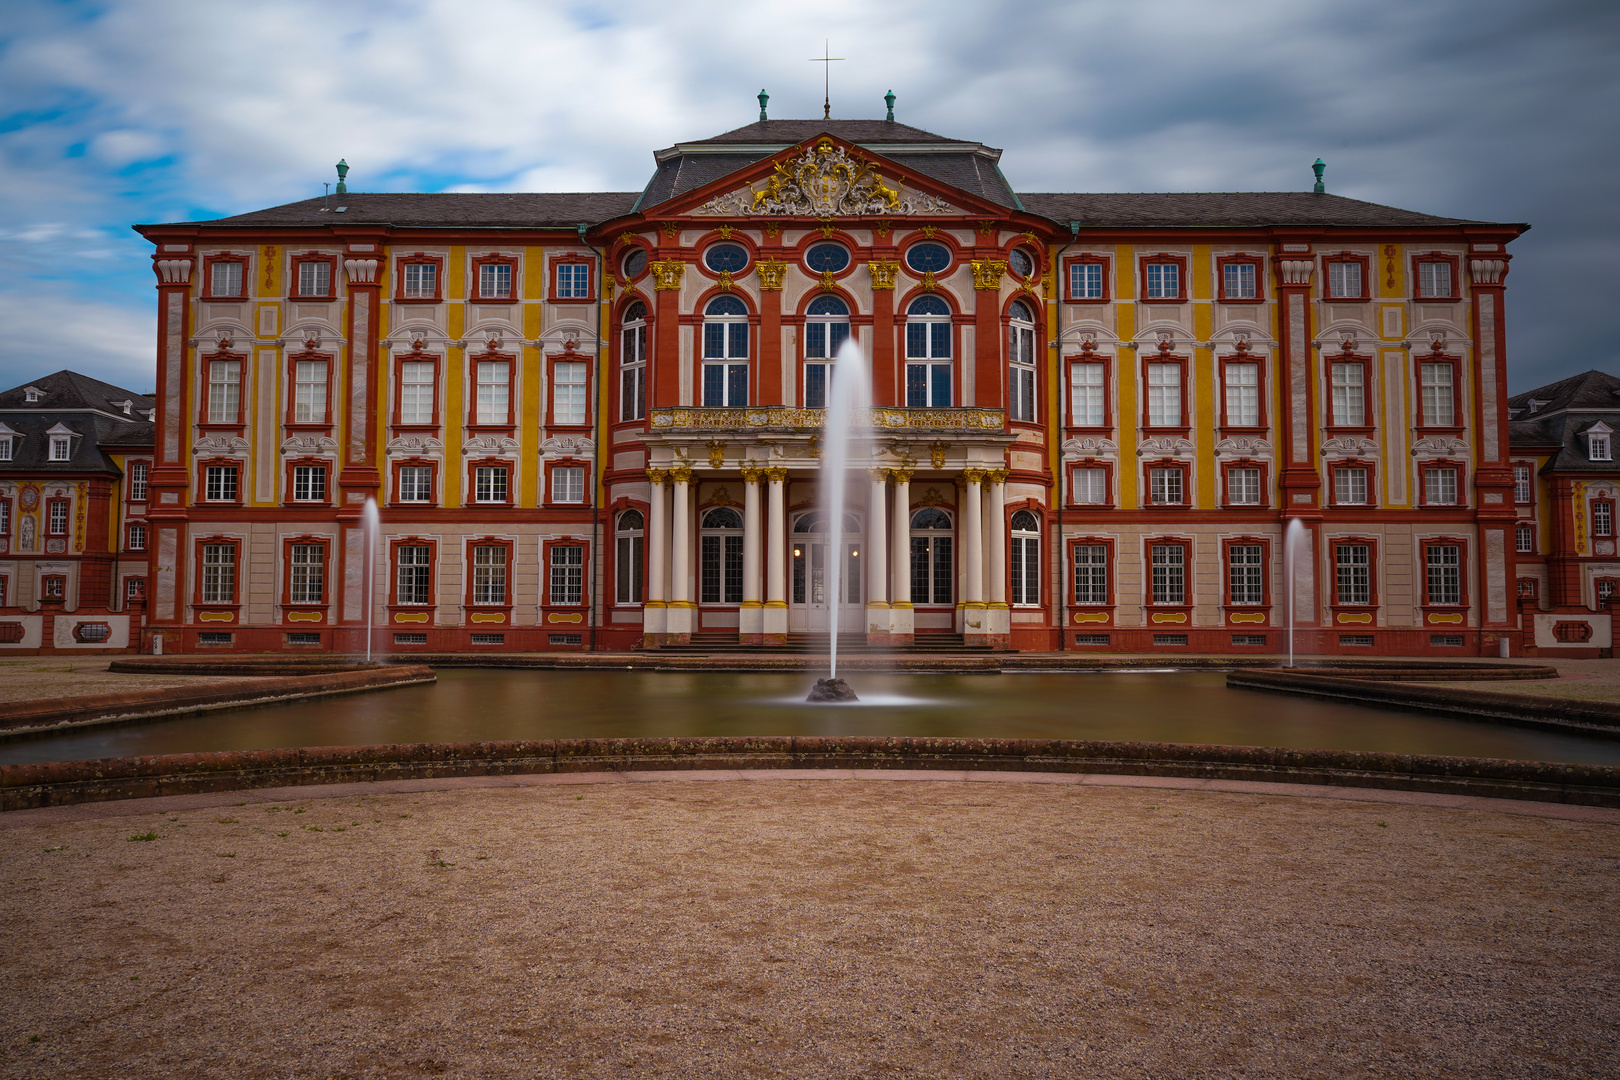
784	419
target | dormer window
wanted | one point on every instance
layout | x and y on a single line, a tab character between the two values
32	394
1534	404
5	447
61	447
1598	447
126	406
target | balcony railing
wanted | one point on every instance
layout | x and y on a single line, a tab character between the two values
782	418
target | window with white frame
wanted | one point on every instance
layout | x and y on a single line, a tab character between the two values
826	328
1344	280
421	281
725	353
56	519
306	582
1243	485
219	483
5	448
567	574
416	392
1349	394
1021	361
224	391
928	353
495	281
1440	485
1168	563
720	557
568	484
633	362
1435	381
1088	390
1523	492
1163	280
1444	579
568	386
1238	281
61	447
933	566
1085	281
413	569
1090	486
1602	517
137	481
494	392
1165	486
314	278
1164	395
1353	574
629	556
219	573
309	391
5	517
1524	536
1090	574
490	483
1245	573
573	280
416	483
1434	280
1349	485
309	483
489	574
226	279
137	538
1242	393
1598	447
1024	558
134	588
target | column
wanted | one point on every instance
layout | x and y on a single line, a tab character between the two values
654	607
902	618
877	574
971	530
1298	481
168	484
775	624
751	619
681	609
995	528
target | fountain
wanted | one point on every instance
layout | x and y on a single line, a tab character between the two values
1292	539
849	409
370	527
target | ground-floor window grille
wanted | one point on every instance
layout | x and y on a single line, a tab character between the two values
1091	639
303	638
215	637
1248	639
566	639
410	639
1169	639
1446	641
1357	640
489	639
567	574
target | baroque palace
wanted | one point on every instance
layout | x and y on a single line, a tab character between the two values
593	420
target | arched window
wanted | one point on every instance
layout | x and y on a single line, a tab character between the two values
811	554
928	258
630	534
1025	558
725	352
1021	263
720	571
826	326
827	258
1021	361
933	574
928	353
633	363
726	258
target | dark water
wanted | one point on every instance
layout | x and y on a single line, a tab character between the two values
472	705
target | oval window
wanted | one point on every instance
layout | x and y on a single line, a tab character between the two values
634	263
928	258
726	258
1021	263
826	258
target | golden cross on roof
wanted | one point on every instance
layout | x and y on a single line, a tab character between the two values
826	105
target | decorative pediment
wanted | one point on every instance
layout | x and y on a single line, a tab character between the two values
308	444
415	446
1164	446
827	180
220	444
1089	447
1439	446
490	444
567	446
1243	447
1350	446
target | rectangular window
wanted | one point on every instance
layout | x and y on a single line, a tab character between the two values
1243	486
1344	280
1085	281
5	520
1439	406
137	538
1603	518
933	574
1090	574
219	573
1091	487
1021	371
567	574
1169	565
1242	394
1088	391
56	520
489	483
1524	537
1245	573
573	281
1350	486
1024	562
219	483
227	279
137	481
314	278
421	281
416	483
309	391
489	574
1238	281
568	484
416	392
630	556
1164	395
494	392
633	374
1445	573
413	574
1598	447
1163	281
1353	574
1522	491
1164	486
725	385
495	281
720	565
5	447
224	391
134	588
1440	486
309	483
568	379
1434	280
307	574
61	447
1349	395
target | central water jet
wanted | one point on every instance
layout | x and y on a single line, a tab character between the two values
849	412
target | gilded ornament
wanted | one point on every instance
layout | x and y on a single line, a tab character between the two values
936	453
720	419
878	475
928	231
928	282
815	446
987	273
681	474
667	274
717	455
1029	237
997	476
902	476
627	237
826	228
723	497
883	226
883	272
932	497
974	476
725	232
751	473
670	228
776	476
770	274
658	476
725	281
986	227
823	182
828	282
773	230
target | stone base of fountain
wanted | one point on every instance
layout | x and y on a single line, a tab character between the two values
832	690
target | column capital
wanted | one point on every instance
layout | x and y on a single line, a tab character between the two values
658	476
974	476
997	476
879	476
681	474
902	476
776	476
751	475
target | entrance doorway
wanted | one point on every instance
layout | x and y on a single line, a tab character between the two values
809	595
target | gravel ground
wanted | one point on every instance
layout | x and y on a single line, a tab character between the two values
802	929
1592	680
51	677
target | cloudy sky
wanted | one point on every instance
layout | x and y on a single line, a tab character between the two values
122	111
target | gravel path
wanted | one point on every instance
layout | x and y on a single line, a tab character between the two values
801	929
52	677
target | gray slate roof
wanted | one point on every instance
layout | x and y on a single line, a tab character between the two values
1588	390
84	406
788	132
1229	209
71	390
461	210
1572	406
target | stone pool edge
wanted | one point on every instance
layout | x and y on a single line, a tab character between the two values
64	783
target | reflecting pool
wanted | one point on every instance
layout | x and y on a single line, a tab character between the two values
1150	706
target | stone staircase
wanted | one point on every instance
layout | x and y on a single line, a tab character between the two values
708	642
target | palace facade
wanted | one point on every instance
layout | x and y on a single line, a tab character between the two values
594	420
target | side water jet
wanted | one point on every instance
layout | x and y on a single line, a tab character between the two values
370	526
1293	537
844	434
